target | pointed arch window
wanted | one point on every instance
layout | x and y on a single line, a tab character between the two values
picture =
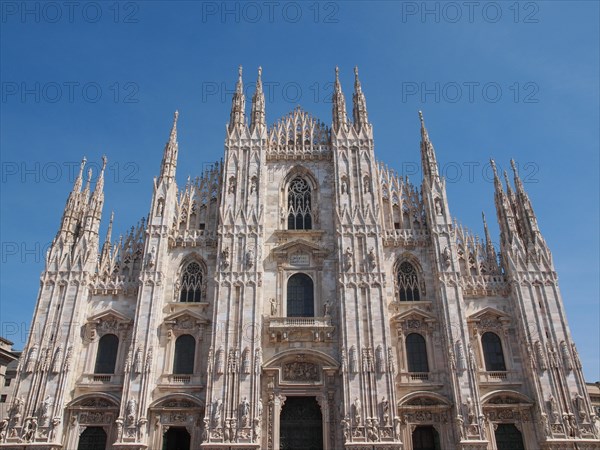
185	350
106	358
492	352
408	283
299	205
300	296
416	353
191	283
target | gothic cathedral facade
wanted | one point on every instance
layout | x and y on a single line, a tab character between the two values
299	295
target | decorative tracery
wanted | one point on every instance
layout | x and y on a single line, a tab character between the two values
299	205
408	283
191	283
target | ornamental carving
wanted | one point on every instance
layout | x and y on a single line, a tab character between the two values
94	417
96	403
300	371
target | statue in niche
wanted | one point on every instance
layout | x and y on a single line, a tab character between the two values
348	258
327	308
225	257
273	306
372	259
357	412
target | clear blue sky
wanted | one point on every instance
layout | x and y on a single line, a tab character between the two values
502	80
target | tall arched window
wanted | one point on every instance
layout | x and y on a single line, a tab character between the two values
508	436
299	205
408	283
300	296
106	358
191	283
92	438
185	349
416	353
492	352
425	437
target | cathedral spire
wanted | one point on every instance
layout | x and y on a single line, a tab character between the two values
504	212
99	188
428	159
168	165
238	104
489	246
359	108
79	180
523	203
340	117
106	247
86	190
258	104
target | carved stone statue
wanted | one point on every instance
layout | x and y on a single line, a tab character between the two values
470	411
29	430
130	411
348	259
273	303
250	258
225	257
372	259
216	412
385	409
326	309
245	412
45	407
357	412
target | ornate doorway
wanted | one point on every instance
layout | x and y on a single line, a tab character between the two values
92	438
301	424
425	438
508	437
176	438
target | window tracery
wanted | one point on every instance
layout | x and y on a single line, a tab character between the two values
299	205
191	283
408	283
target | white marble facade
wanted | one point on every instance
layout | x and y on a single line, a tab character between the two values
299	270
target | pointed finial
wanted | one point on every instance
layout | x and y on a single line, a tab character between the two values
337	73
239	82
514	166
505	173
493	164
421	118
79	179
173	134
110	226
104	160
259	72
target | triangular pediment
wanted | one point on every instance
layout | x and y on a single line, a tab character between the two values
489	312
414	313
301	245
186	317
109	315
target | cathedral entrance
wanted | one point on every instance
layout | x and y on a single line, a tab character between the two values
425	438
176	438
508	437
92	438
301	424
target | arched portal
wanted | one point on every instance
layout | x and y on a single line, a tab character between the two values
92	438
508	437
425	438
301	424
176	438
